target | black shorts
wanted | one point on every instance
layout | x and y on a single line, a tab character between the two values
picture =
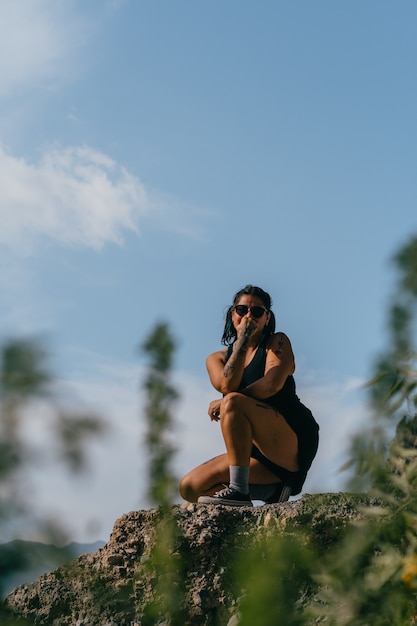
306	428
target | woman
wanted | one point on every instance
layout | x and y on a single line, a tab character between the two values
271	438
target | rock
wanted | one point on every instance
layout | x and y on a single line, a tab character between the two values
120	584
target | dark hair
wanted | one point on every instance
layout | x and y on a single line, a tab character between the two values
229	332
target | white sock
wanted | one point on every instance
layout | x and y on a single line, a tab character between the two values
239	478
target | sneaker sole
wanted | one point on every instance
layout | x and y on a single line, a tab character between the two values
218	501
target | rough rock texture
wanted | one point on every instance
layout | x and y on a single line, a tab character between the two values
115	585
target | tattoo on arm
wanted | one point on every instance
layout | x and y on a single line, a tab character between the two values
265	406
241	349
244	345
228	369
278	350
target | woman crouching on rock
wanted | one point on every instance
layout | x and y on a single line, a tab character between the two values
271	438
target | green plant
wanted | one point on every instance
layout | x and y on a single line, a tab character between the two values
369	577
164	566
161	396
26	386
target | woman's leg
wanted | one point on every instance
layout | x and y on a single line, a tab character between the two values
212	475
205	479
245	420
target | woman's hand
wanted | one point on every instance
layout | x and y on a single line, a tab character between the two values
246	328
214	410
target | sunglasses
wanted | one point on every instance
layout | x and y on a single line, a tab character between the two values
242	309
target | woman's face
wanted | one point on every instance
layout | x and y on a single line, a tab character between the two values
253	308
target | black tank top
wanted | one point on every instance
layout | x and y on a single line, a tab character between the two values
286	397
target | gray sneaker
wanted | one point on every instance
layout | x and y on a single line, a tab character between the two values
227	497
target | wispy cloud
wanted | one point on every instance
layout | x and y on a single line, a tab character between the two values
76	196
38	39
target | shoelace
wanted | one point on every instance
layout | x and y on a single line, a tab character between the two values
224	492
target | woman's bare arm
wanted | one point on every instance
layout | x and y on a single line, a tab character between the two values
226	376
278	366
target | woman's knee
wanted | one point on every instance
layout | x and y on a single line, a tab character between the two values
187	490
232	402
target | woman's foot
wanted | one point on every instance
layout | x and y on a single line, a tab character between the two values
227	497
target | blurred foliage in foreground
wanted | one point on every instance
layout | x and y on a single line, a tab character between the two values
370	576
34	429
161	397
165	567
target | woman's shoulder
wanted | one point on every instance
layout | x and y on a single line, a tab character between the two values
277	339
280	345
219	355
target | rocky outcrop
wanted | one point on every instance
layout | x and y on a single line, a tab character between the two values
121	583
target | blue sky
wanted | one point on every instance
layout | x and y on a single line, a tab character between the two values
157	156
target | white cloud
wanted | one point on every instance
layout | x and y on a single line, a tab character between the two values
37	40
73	195
76	196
